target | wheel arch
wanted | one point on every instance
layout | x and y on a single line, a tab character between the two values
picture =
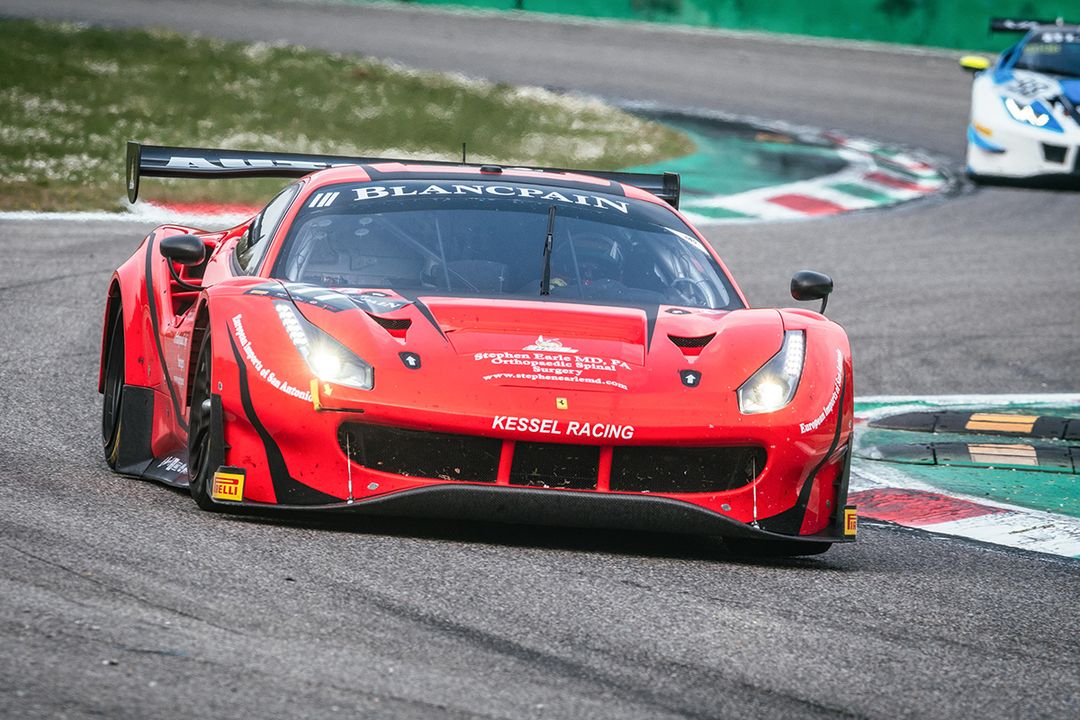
130	452
113	304
127	295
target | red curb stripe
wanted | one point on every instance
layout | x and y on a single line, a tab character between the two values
888	180
807	205
915	508
205	208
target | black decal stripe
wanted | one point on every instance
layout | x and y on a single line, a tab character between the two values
651	311
287	490
790	521
426	312
151	301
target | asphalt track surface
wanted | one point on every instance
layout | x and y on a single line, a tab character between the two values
119	599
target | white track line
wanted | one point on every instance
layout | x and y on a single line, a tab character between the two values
143	213
1020	527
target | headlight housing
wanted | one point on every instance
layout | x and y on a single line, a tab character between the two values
1034	114
328	360
774	385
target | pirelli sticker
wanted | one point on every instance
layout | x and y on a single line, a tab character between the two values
228	484
851	521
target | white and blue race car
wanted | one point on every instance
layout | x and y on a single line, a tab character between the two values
1025	107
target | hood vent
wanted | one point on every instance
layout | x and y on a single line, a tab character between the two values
692	342
691	345
394	326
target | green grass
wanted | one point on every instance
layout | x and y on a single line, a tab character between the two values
71	96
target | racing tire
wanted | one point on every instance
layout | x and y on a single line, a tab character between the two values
747	548
113	390
200	472
976	179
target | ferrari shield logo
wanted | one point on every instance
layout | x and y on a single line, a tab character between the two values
228	484
851	521
561	404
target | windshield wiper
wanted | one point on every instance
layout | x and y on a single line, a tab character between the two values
545	281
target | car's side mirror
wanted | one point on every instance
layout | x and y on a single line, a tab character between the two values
187	250
184	249
974	63
810	285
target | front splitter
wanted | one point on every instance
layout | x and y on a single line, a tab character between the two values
537	506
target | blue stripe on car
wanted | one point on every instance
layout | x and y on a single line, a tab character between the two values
978	141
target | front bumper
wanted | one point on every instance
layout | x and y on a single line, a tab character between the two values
300	453
1002	148
534	506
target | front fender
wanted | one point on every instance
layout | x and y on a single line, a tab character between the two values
127	294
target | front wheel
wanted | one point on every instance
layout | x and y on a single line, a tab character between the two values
200	470
113	390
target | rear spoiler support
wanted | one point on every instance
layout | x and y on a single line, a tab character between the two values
184	162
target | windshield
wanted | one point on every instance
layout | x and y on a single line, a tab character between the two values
1053	52
487	239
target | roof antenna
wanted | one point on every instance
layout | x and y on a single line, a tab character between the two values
463	154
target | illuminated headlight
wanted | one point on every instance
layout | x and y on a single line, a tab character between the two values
774	385
1036	114
325	363
328	360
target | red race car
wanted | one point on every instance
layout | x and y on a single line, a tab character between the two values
481	342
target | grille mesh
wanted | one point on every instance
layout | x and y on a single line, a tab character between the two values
653	469
684	469
555	465
392	323
1054	153
692	342
421	454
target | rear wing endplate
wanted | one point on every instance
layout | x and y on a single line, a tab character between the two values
183	162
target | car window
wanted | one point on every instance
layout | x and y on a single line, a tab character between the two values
487	240
252	247
1052	52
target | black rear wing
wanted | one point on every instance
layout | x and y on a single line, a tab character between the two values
1021	26
182	162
